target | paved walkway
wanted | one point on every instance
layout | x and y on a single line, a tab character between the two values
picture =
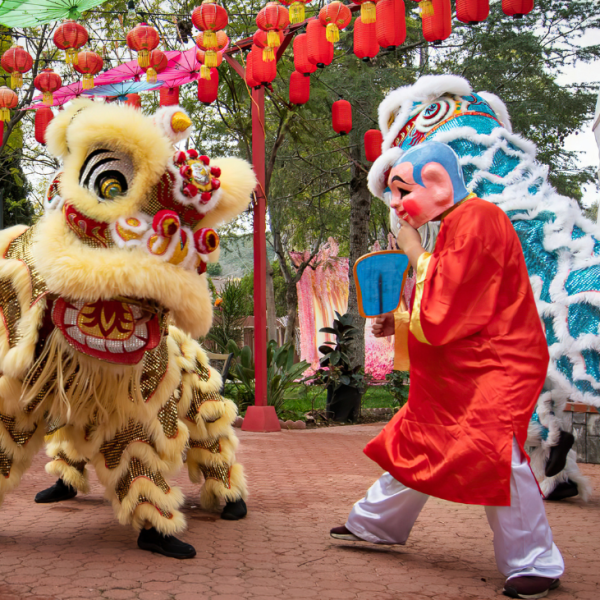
302	483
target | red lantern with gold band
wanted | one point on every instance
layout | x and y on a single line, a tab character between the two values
373	140
333	17
88	64
209	18
264	71
70	36
259	39
251	80
158	62
43	116
472	11
143	39
16	61
208	89
367	10
438	26
341	117
296	10
222	40
517	8
8	100
273	18
205	70
47	82
365	40
391	23
301	62
169	96
299	88
320	51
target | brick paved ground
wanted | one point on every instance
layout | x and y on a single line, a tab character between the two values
302	483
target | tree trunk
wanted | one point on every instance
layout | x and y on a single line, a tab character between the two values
271	311
360	212
291	301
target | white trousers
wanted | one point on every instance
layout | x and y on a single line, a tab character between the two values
522	537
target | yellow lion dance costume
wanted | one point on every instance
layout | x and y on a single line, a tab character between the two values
101	300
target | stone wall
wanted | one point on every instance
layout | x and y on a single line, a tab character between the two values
584	422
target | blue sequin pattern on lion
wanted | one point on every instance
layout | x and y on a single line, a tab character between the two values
561	246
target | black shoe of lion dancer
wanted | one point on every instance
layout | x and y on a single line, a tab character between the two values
234	511
529	586
566	489
558	454
167	545
57	493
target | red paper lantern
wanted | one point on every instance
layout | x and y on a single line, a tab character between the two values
272	19
391	23
70	36
205	69
158	63
367	10
438	26
209	17
211	43
8	100
47	82
88	64
341	117
208	89
16	61
320	51
365	39
134	100
259	39
299	88
373	140
169	96
472	11
297	12
517	8
43	116
143	39
251	81
264	71
301	62
333	17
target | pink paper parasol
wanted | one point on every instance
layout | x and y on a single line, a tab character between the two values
185	70
61	96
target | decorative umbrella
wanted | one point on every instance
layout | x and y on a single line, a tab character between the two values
31	13
120	90
59	97
185	70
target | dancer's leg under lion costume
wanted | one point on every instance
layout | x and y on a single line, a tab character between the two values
100	300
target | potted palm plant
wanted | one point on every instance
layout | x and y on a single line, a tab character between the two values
345	383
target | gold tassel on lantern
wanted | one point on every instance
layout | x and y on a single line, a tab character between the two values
151	75
71	56
16	80
5	114
210	59
205	72
426	8
332	33
297	13
88	82
144	58
367	12
268	54
210	39
47	98
273	39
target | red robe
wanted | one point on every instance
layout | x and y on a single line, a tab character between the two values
478	361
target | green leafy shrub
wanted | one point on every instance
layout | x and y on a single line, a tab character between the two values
398	385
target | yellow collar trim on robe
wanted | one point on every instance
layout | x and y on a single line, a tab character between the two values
415	318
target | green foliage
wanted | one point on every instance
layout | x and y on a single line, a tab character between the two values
282	373
214	269
232	306
336	368
397	384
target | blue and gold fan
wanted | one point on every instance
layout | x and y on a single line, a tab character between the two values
379	279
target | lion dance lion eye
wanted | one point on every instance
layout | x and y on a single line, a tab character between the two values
107	173
109	188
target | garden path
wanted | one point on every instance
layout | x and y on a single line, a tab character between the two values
302	483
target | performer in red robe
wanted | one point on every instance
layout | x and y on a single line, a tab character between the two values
478	361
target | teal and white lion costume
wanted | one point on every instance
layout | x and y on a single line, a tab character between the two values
561	246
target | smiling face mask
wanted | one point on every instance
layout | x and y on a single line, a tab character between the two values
425	182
